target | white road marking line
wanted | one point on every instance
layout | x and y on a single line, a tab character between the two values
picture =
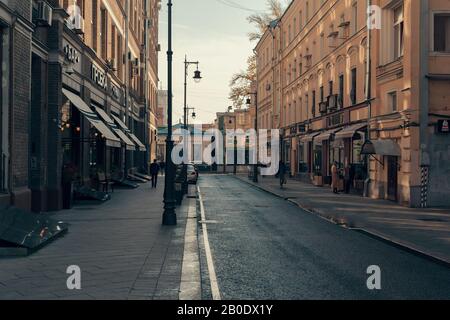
190	287
211	270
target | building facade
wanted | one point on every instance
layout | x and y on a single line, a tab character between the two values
86	73
313	74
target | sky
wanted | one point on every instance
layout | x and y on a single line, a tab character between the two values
215	34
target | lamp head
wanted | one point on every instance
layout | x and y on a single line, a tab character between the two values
197	76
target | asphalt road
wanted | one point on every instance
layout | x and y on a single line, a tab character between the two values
264	247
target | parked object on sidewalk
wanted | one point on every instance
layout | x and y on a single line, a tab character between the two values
143	176
22	232
86	193
335	178
135	178
104	182
192	174
125	183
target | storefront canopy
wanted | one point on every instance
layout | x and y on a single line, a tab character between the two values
130	134
110	138
309	137
381	148
326	135
350	131
129	144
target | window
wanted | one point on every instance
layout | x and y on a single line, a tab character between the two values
104	33
353	88
392	101
441	32
321	94
330	87
341	91
354	18
313	108
398	32
94	25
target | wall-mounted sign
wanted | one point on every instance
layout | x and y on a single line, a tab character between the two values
98	76
116	92
444	126
71	54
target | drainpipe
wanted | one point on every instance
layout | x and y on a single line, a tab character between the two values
425	160
147	135
368	90
11	105
127	77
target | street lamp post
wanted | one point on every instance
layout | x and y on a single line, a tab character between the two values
197	78
255	167
169	216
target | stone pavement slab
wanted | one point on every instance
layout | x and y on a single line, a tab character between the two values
426	231
121	247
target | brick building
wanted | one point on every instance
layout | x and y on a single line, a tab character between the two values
312	79
79	94
16	30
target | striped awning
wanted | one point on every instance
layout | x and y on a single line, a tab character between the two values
123	126
129	144
110	138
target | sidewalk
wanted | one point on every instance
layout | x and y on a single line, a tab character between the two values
121	247
423	230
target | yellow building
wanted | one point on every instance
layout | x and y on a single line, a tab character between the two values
312	75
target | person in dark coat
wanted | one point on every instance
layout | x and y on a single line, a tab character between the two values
162	167
154	171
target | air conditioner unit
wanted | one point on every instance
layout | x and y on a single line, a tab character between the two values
333	102
323	107
112	64
76	24
45	13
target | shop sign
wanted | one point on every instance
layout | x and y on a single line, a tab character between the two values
98	76
116	92
71	54
444	126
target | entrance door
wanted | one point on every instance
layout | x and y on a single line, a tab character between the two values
392	163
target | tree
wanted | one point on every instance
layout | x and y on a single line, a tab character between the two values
241	82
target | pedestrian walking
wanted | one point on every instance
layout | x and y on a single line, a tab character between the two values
335	178
282	174
154	171
347	177
162	167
